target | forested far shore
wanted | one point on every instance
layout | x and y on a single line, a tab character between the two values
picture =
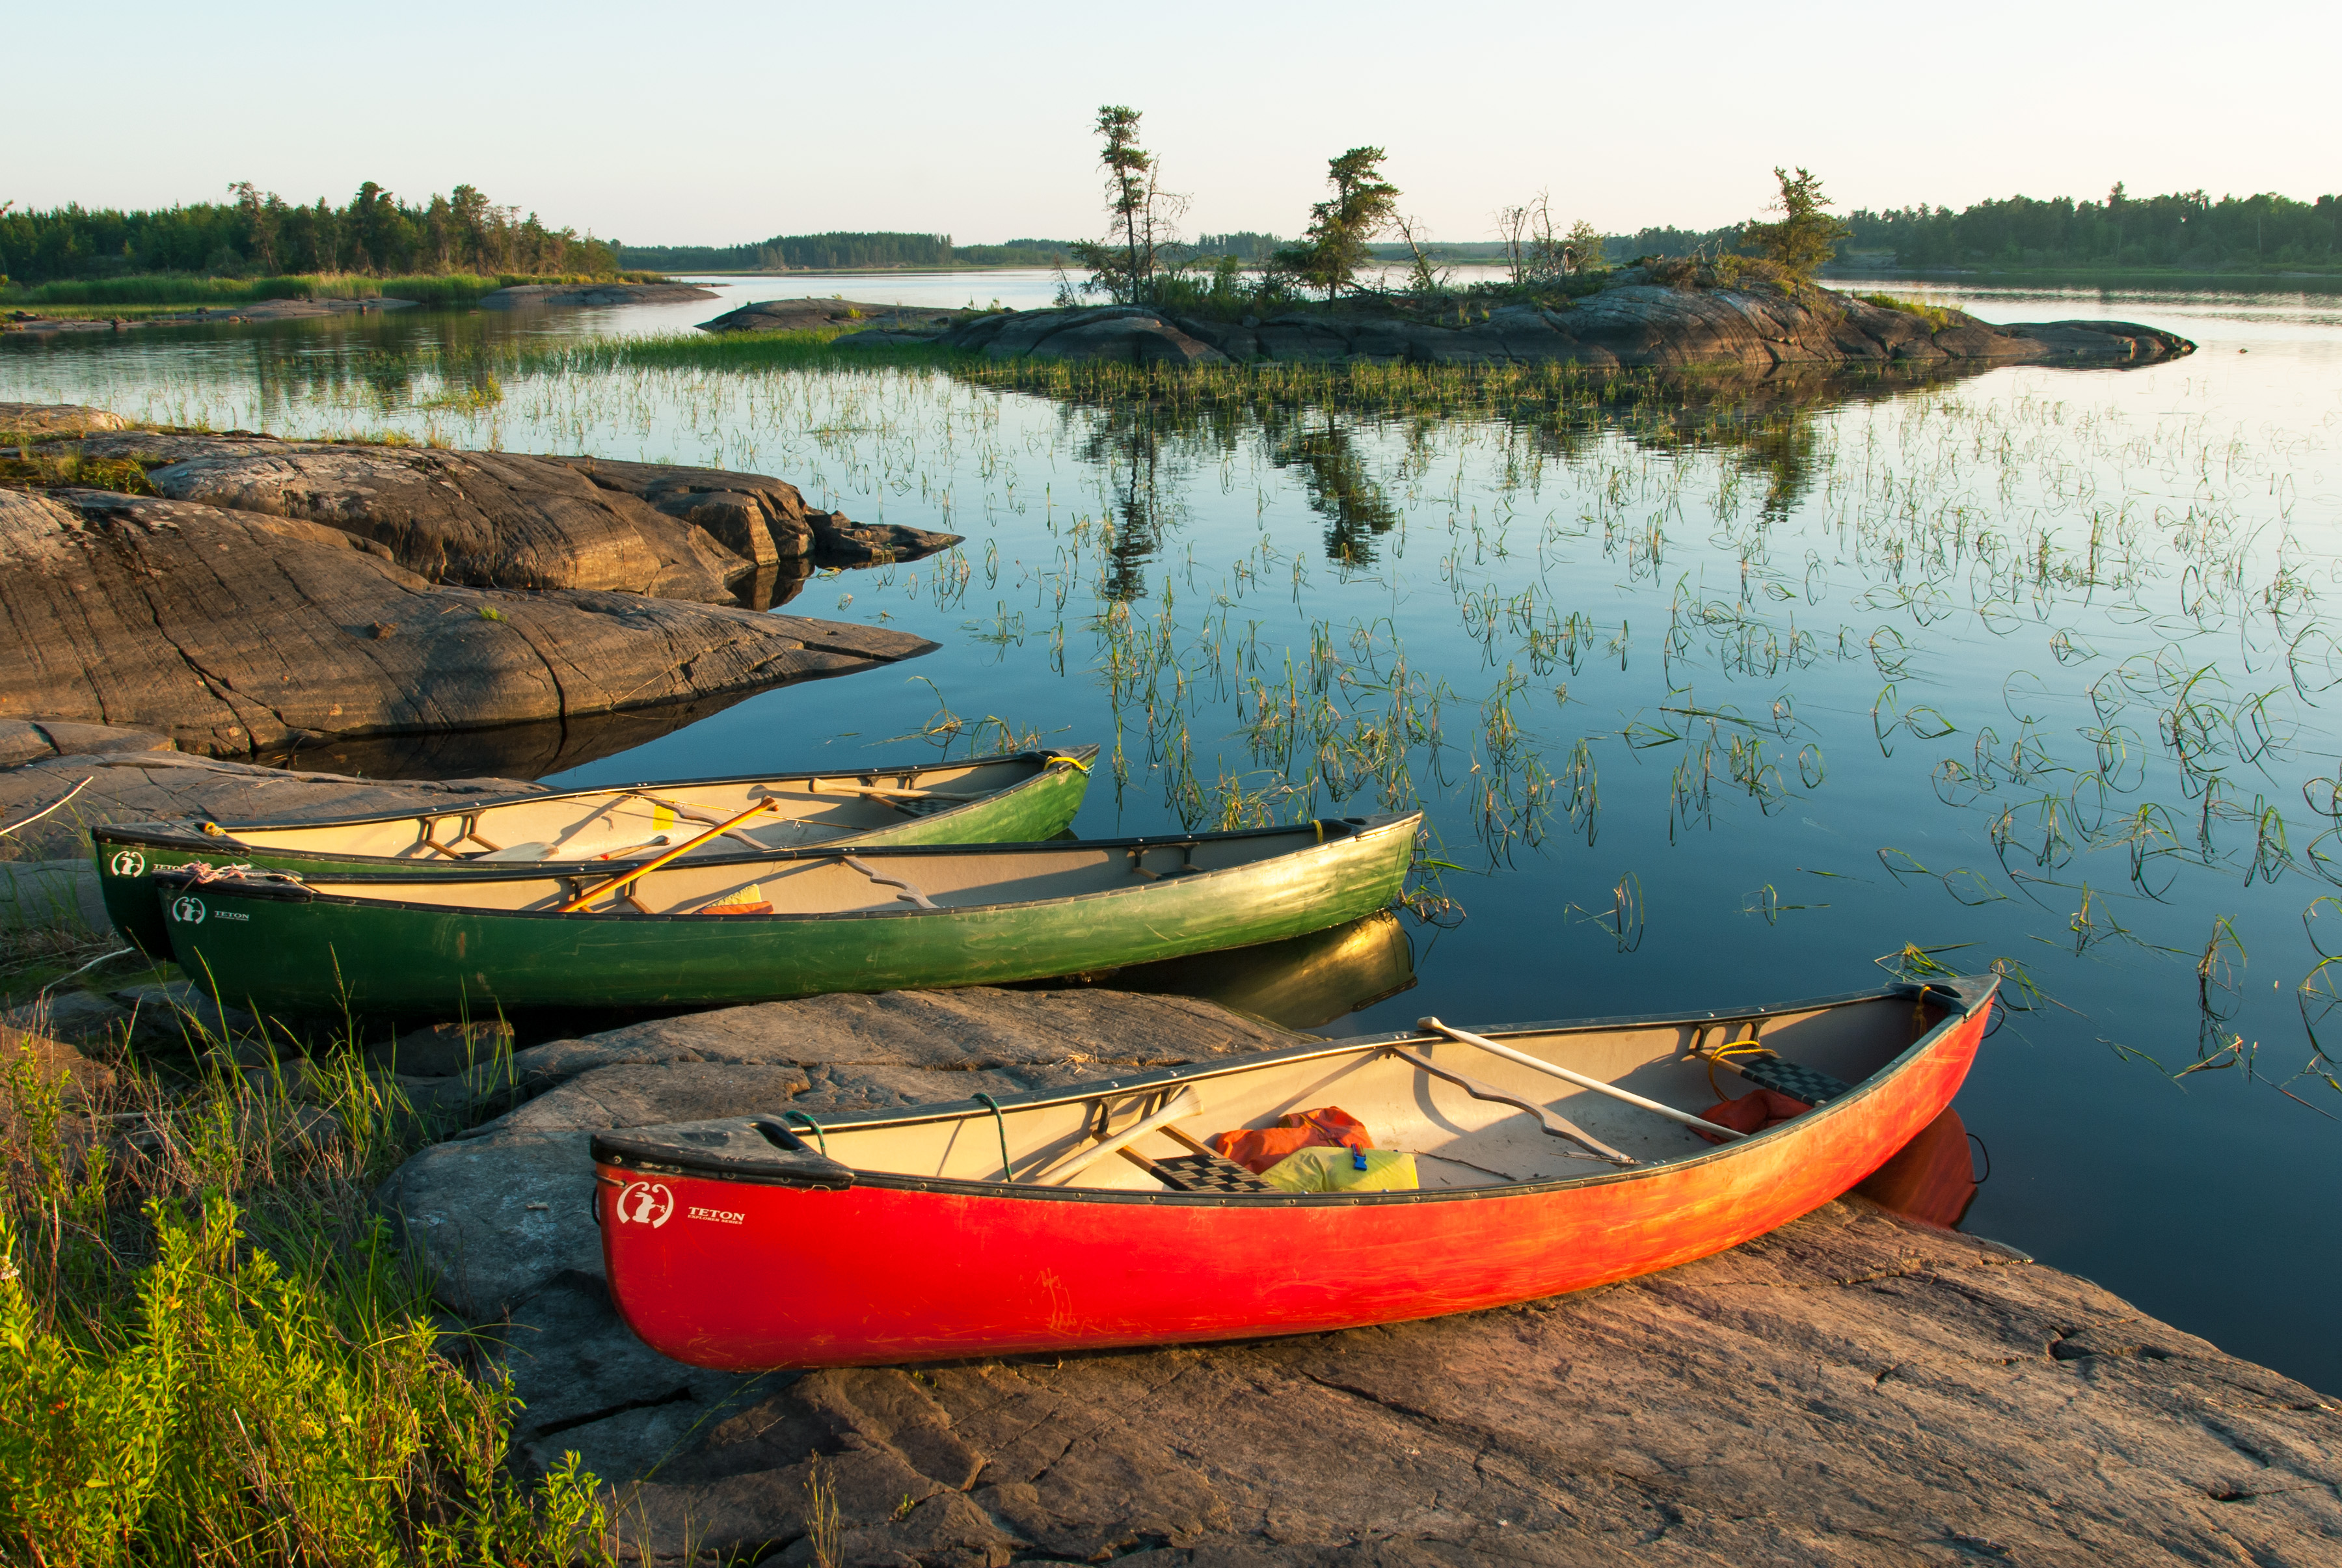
844	251
2181	232
259	235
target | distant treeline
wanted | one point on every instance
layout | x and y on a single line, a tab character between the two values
2183	230
843	252
260	235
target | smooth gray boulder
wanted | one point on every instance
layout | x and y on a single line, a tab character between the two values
758	517
47	421
237	633
485	519
574	296
23	740
1127	340
811	315
1855	1388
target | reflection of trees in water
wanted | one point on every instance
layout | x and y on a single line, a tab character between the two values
378	359
1128	445
1339	487
1148	427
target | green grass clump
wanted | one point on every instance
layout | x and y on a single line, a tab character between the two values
1937	317
212	1352
808	350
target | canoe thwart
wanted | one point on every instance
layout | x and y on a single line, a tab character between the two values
1183	1105
1697	1124
1555	1126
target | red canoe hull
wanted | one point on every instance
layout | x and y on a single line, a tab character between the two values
746	1276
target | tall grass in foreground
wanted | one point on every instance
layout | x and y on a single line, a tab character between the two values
211	1352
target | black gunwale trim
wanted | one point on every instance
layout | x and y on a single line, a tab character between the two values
180	836
262	886
1963	996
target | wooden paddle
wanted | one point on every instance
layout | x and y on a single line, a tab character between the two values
656	862
1580	1079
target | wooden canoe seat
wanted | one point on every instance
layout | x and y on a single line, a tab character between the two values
1553	1125
1763	1066
1207	1173
1185	868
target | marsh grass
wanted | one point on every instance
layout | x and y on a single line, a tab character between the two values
212	1351
1768	594
1935	315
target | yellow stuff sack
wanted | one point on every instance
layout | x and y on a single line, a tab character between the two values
1322	1170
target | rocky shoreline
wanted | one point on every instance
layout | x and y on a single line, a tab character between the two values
361	601
205	315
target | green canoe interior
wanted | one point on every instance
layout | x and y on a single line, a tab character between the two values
643	819
850	880
1457	1139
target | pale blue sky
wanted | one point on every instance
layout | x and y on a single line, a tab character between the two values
722	122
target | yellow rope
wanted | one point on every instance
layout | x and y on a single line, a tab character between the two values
1751	1046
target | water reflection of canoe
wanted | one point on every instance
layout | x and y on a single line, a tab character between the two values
1300	983
795	922
1021	795
891	1236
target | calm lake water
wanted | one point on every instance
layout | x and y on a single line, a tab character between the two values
2041	667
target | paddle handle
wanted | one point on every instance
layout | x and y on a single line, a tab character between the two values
1580	1079
656	862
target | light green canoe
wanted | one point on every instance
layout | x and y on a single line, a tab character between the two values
756	929
1004	799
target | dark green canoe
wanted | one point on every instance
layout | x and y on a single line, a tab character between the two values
1004	799
795	923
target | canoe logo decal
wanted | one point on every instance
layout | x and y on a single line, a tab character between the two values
188	911
127	863
645	1203
721	1216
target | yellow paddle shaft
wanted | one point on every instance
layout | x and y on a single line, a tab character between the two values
656	862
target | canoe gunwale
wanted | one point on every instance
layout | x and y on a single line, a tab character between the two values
184	836
1965	997
286	886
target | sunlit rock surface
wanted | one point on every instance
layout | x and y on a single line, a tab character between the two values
758	517
236	633
485	519
1852	1389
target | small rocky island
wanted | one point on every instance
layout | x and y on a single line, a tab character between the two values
1640	318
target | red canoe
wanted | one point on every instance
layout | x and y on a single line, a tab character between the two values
890	1236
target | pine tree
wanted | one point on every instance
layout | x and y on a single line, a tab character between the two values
1334	248
1806	236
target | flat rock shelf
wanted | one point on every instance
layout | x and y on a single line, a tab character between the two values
1855	1388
